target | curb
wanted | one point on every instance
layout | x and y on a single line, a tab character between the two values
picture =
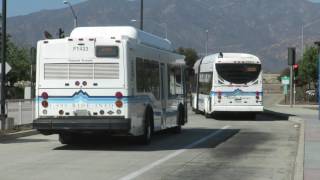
299	161
289	116
298	165
298	105
12	136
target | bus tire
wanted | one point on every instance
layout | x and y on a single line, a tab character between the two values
207	115
180	120
66	138
145	139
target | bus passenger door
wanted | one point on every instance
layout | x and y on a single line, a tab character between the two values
163	94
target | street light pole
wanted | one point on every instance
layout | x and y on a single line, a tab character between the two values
302	41
318	93
166	29
207	39
3	64
75	18
165	26
141	16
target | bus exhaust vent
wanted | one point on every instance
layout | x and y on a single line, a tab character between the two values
81	71
106	71
56	71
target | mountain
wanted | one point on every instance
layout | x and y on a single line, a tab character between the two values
261	27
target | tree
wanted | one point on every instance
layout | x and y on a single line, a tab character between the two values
18	58
47	35
308	72
191	55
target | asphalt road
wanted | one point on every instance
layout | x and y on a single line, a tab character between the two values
223	148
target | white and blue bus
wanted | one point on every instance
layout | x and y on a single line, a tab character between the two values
116	80
228	82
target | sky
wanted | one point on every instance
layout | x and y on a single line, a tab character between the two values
23	7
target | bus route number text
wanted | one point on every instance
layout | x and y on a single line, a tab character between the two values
81	48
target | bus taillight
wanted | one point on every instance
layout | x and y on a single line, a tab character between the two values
119	104
257	95
219	94
44	95
119	95
45	104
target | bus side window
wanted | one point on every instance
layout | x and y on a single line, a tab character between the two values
175	84
178	79
148	78
205	83
140	74
171	81
194	83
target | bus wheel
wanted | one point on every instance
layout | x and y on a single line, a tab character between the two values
66	138
147	130
207	115
180	120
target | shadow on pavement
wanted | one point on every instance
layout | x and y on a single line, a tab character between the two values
164	140
267	115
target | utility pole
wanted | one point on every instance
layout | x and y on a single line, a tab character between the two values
141	15
318	93
33	55
3	63
291	62
75	17
207	41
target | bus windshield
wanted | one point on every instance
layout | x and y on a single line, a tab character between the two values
238	73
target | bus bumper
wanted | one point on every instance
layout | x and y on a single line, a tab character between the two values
238	109
56	125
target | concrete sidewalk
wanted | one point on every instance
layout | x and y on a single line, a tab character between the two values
311	138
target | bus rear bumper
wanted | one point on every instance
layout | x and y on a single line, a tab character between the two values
56	125
238	109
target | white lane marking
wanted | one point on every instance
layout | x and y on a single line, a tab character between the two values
172	155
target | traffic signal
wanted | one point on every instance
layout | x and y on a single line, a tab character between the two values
0	38
296	69
0	41
298	82
291	56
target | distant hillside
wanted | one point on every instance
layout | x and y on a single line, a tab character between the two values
262	27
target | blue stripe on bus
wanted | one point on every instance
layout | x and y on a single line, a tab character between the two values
83	96
237	92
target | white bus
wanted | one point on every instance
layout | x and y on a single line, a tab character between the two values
116	80
228	82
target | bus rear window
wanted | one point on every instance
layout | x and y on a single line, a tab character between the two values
239	73
107	51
